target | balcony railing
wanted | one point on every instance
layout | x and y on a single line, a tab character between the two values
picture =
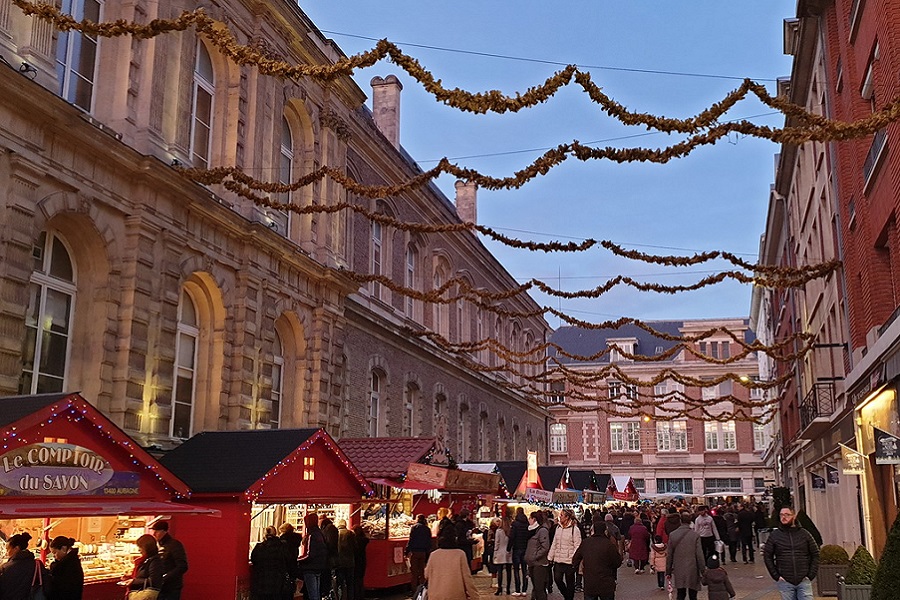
875	152
819	402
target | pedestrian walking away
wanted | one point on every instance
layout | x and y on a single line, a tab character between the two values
716	579
502	556
417	549
599	558
792	557
448	572
684	560
518	543
658	552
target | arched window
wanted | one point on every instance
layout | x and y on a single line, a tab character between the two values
412	267
462	442
410	408
185	383
48	320
377	248
76	55
482	436
372	419
440	411
202	108
282	218
277	383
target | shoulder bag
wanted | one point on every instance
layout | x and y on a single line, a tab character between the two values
144	593
37	583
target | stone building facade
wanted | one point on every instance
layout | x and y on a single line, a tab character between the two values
177	307
690	456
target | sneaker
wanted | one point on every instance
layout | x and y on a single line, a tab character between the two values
637	571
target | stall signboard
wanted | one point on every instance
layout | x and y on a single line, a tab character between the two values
565	497
59	469
471	481
427	474
592	497
536	495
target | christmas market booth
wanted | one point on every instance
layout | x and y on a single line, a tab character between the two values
532	487
621	488
256	478
68	470
411	476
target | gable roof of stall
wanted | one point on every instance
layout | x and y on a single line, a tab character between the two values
234	462
386	459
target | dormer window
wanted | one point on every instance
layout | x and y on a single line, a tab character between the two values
621	349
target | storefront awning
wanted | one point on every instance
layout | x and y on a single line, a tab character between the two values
95	509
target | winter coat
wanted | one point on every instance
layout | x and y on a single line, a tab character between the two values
449	577
731	524
175	564
685	561
721	527
658	553
149	574
639	549
745	522
600	560
17	573
502	555
720	587
626	523
68	577
331	542
538	547
519	535
271	565
791	553
673	522
293	541
346	555
420	539
464	539
314	552
564	544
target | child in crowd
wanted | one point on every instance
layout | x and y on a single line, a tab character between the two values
716	578
658	560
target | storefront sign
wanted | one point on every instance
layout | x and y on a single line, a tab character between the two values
537	496
565	497
471	481
427	474
52	469
592	497
867	386
818	482
853	462
887	448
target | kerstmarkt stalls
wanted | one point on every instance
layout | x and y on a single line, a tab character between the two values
66	469
256	479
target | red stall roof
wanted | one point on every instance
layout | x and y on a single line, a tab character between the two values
268	464
45	427
386	460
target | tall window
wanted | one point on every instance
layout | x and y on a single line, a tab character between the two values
440	408
202	108
412	260
482	436
711	430
625	436
285	176
671	436
374	405
410	404
185	368
710	392
377	238
277	384
760	440
76	55
720	436
441	311
462	444
619	390
729	438
48	320
558	442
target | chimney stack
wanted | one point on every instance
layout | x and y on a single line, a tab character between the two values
467	201
386	107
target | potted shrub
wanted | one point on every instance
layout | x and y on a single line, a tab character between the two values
833	561
887	577
857	585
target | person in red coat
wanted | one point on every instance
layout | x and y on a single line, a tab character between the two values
639	549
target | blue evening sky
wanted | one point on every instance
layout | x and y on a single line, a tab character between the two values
713	199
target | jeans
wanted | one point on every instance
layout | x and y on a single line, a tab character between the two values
709	546
540	575
661	580
789	591
682	592
564	576
747	547
519	566
311	585
503	568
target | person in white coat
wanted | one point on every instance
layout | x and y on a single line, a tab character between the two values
565	542
502	555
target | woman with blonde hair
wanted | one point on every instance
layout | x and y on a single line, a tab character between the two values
502	555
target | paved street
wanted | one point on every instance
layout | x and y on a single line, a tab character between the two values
751	582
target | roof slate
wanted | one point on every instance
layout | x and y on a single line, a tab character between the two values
232	461
551	476
385	457
15	408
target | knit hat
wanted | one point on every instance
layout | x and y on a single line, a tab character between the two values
713	562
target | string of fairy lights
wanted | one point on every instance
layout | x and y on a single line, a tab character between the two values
528	371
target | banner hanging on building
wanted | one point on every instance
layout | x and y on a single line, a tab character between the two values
818	482
853	462
832	475
887	448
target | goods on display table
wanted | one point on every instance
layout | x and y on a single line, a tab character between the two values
288	473
68	470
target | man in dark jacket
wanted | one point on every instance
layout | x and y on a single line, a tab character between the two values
291	538
792	557
174	560
745	520
518	543
417	549
464	529
601	560
346	559
331	542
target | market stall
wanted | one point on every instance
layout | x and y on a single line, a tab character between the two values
256	479
68	470
621	487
